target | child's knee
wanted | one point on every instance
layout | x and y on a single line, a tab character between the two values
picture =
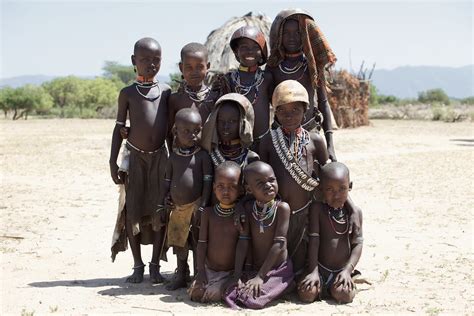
342	295
308	296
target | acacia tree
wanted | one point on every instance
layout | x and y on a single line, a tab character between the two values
66	92
25	99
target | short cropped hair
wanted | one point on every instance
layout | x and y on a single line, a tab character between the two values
227	165
194	48
334	167
183	114
145	43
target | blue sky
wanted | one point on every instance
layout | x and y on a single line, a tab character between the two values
61	38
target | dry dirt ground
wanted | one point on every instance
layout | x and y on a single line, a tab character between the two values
413	180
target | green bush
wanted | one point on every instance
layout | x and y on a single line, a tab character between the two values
433	96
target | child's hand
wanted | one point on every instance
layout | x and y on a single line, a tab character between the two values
197	216
239	217
344	278
310	281
168	202
115	174
332	153
124	132
253	286
201	278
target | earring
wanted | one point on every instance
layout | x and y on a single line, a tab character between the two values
134	69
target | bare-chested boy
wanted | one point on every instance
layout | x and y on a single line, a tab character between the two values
227	134
145	102
332	251
295	155
217	237
267	229
193	92
188	181
250	49
299	51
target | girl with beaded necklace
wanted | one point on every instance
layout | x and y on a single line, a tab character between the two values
250	80
217	237
267	228
227	134
299	51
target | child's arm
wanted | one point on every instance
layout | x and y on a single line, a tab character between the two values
241	250
312	279
253	286
164	198
355	220
344	277
320	154
264	149
202	247
207	172
116	138
171	115
323	106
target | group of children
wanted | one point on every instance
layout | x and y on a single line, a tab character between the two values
238	172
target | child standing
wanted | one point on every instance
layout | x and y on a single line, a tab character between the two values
217	237
267	229
188	181
192	91
332	251
299	51
145	102
250	49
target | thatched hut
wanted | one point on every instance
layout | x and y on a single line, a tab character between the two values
349	99
350	95
221	56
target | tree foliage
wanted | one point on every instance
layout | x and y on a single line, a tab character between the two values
23	100
115	71
433	96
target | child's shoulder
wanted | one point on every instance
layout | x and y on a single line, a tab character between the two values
283	207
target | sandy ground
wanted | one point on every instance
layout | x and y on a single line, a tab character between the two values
413	180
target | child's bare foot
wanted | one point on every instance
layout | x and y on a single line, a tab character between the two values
155	275
137	275
178	282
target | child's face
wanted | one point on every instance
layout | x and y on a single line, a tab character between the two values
226	185
147	61
228	122
290	115
188	131
248	52
291	39
194	68
335	190
263	185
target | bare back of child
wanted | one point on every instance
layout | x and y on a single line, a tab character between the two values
217	237
145	102
295	155
267	229
333	252
188	181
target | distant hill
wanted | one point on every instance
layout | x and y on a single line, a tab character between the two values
402	82
15	82
406	82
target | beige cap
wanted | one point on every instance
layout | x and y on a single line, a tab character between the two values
289	91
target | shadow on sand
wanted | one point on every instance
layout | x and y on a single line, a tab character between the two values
118	287
469	142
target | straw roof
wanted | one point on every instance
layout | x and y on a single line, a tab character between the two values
221	56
